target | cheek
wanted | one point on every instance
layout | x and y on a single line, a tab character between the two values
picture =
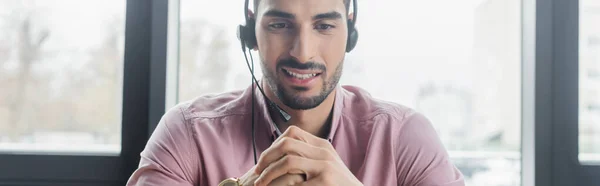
270	50
333	52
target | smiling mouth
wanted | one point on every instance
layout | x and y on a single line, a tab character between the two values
300	75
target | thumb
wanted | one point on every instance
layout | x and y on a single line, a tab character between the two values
249	178
287	180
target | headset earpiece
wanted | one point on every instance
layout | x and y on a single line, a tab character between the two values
352	36
246	34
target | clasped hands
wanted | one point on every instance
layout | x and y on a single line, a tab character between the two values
299	158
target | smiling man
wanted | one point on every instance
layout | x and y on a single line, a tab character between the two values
336	135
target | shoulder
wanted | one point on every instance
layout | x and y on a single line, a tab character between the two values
172	147
360	105
215	105
179	120
420	157
171	153
403	123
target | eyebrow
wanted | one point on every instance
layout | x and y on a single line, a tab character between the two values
282	14
328	15
278	13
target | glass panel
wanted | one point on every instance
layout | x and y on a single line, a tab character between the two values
589	78
210	57
61	66
458	62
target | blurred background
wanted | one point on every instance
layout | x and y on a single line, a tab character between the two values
458	62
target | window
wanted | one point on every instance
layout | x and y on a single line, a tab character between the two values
209	51
61	73
589	81
458	62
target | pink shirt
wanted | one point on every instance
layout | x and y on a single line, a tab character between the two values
208	139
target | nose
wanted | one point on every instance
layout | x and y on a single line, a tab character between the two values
304	46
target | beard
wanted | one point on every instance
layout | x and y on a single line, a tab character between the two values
291	98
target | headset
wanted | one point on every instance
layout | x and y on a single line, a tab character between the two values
247	36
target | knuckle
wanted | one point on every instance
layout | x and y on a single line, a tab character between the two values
290	161
293	130
287	161
285	143
261	159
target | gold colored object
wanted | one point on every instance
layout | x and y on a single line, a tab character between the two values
230	182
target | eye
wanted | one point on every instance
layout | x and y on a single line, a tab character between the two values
324	27
278	25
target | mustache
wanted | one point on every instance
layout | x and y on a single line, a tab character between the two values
292	63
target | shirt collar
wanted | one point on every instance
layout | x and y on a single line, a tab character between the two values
264	117
338	106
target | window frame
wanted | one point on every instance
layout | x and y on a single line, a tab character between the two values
550	143
566	167
143	106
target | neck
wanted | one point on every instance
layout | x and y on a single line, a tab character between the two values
316	121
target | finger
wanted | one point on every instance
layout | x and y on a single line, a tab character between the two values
289	164
287	180
316	181
297	133
249	178
290	146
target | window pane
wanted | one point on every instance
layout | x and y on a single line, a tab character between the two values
61	66
589	78
458	62
210	56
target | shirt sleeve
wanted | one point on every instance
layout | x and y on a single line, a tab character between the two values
421	159
170	156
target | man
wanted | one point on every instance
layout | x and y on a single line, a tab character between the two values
337	135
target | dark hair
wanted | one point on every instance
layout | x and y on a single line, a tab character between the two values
346	3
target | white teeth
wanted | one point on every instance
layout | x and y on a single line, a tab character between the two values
300	76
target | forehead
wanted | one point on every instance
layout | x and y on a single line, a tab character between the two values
301	8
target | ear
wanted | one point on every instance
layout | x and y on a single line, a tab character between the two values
350	16
251	14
